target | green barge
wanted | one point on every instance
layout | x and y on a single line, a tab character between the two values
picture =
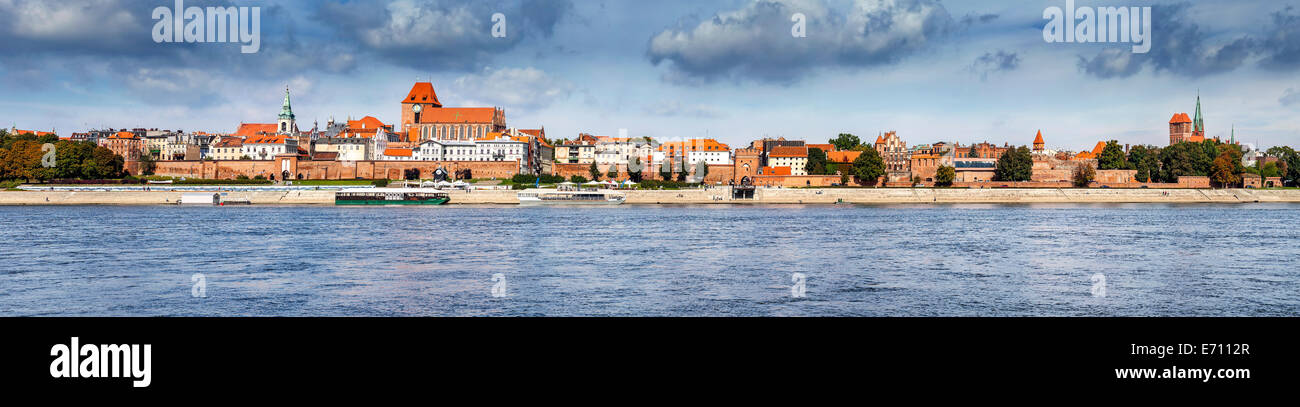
391	196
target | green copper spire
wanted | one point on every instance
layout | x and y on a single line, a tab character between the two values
1198	124
286	112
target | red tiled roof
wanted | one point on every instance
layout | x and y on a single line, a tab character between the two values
398	152
368	122
1039	138
422	92
33	132
842	156
788	151
123	134
824	147
459	115
1180	118
777	171
325	156
1101	146
252	129
229	142
266	139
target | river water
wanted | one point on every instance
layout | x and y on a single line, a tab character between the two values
633	260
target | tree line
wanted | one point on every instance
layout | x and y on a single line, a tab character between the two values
23	157
1221	162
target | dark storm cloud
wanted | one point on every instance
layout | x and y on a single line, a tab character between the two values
115	37
992	62
1181	47
1281	47
440	34
972	19
755	42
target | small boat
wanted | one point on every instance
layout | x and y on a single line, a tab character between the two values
199	198
391	196
571	196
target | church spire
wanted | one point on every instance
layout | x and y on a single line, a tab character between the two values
286	112
1198	124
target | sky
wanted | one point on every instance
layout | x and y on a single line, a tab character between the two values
956	71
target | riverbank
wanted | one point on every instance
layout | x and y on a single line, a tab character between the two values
715	196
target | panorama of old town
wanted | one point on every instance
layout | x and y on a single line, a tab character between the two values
476	147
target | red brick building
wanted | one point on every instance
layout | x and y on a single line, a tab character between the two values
424	118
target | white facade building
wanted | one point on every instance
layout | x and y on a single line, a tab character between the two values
267	147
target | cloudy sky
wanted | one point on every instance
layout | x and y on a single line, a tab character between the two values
932	70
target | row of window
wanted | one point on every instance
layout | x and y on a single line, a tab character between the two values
443	132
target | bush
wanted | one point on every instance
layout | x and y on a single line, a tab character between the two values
657	184
531	179
1083	175
578	179
221	182
379	183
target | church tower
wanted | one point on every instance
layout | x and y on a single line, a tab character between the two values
1198	123
287	124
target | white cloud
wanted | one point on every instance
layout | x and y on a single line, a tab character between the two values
756	41
528	88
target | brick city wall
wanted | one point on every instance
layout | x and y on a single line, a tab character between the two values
333	170
717	173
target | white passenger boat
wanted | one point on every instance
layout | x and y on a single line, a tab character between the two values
571	196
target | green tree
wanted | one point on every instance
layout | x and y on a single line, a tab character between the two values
816	162
147	164
578	179
846	142
944	176
1270	170
613	172
869	167
973	153
1145	160
634	168
594	172
682	171
1083	175
1112	157
666	169
1015	165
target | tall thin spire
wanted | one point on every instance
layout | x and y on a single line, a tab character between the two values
286	112
1199	122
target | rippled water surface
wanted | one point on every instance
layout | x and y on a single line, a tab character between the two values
899	260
